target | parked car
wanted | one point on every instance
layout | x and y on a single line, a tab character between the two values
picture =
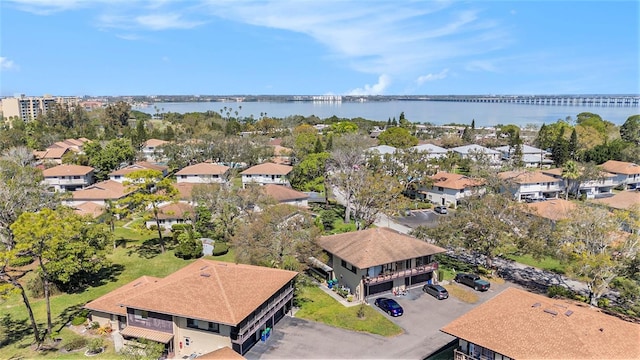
440	209
389	306
436	291
473	281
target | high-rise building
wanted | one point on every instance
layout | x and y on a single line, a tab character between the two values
28	108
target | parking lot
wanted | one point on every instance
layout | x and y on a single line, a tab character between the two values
423	317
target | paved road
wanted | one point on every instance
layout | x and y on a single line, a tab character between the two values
295	338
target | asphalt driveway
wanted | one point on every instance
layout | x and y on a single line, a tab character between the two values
420	218
423	317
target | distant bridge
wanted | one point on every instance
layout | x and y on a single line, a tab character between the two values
605	101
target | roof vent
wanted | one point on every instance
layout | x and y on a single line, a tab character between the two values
536	305
568	312
552	312
204	267
205	274
138	283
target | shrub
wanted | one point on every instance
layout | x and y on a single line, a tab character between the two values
603	303
180	227
104	330
189	249
361	312
36	288
95	345
94	325
75	343
21	261
220	248
561	291
78	320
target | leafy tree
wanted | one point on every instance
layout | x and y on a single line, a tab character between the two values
573	145
397	137
189	245
317	147
630	130
282	237
149	191
374	194
560	151
64	245
108	158
310	173
595	248
467	135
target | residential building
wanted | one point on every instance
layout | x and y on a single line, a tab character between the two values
28	108
72	144
281	155
286	195
266	173
448	189
627	174
476	152
203	173
517	324
531	185
382	150
151	150
552	210
589	188
62	178
433	151
89	209
532	157
99	193
51	155
172	214
202	307
624	200
120	175
378	260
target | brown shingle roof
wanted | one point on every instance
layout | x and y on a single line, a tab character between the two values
556	209
283	193
110	302
67	170
527	177
212	291
224	353
623	200
454	181
51	153
621	167
104	190
514	323
140	165
268	169
185	189
204	169
89	208
376	246
175	211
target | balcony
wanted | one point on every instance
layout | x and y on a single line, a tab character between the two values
259	319
401	274
459	355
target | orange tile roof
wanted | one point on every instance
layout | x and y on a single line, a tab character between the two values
67	170
154	143
185	189
621	167
281	150
204	169
556	209
268	169
209	290
527	177
623	200
454	181
558	172
283	193
140	165
51	153
376	246
104	190
175	211
110	302
514	323
89	208
224	353
153	335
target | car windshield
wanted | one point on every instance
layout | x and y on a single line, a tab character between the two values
393	305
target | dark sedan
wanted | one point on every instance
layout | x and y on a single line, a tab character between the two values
389	306
436	291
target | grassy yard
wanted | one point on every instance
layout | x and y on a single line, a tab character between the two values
545	263
138	258
318	306
462	294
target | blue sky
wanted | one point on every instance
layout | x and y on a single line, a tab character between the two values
375	47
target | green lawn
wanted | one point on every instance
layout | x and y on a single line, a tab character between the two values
138	258
545	263
316	305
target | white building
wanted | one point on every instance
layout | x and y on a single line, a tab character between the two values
476	152
203	173
525	185
266	173
433	151
151	151
68	177
448	189
626	174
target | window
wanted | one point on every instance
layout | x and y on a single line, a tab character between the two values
183	176
349	267
440	188
192	323
140	314
213	327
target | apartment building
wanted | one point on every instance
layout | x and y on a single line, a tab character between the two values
28	108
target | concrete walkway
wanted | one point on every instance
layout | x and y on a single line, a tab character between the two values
338	298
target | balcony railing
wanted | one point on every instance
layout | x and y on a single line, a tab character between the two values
262	317
401	274
459	355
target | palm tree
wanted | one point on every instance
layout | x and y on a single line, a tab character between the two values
570	173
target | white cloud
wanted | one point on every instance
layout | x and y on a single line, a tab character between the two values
377	89
431	77
165	21
6	64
